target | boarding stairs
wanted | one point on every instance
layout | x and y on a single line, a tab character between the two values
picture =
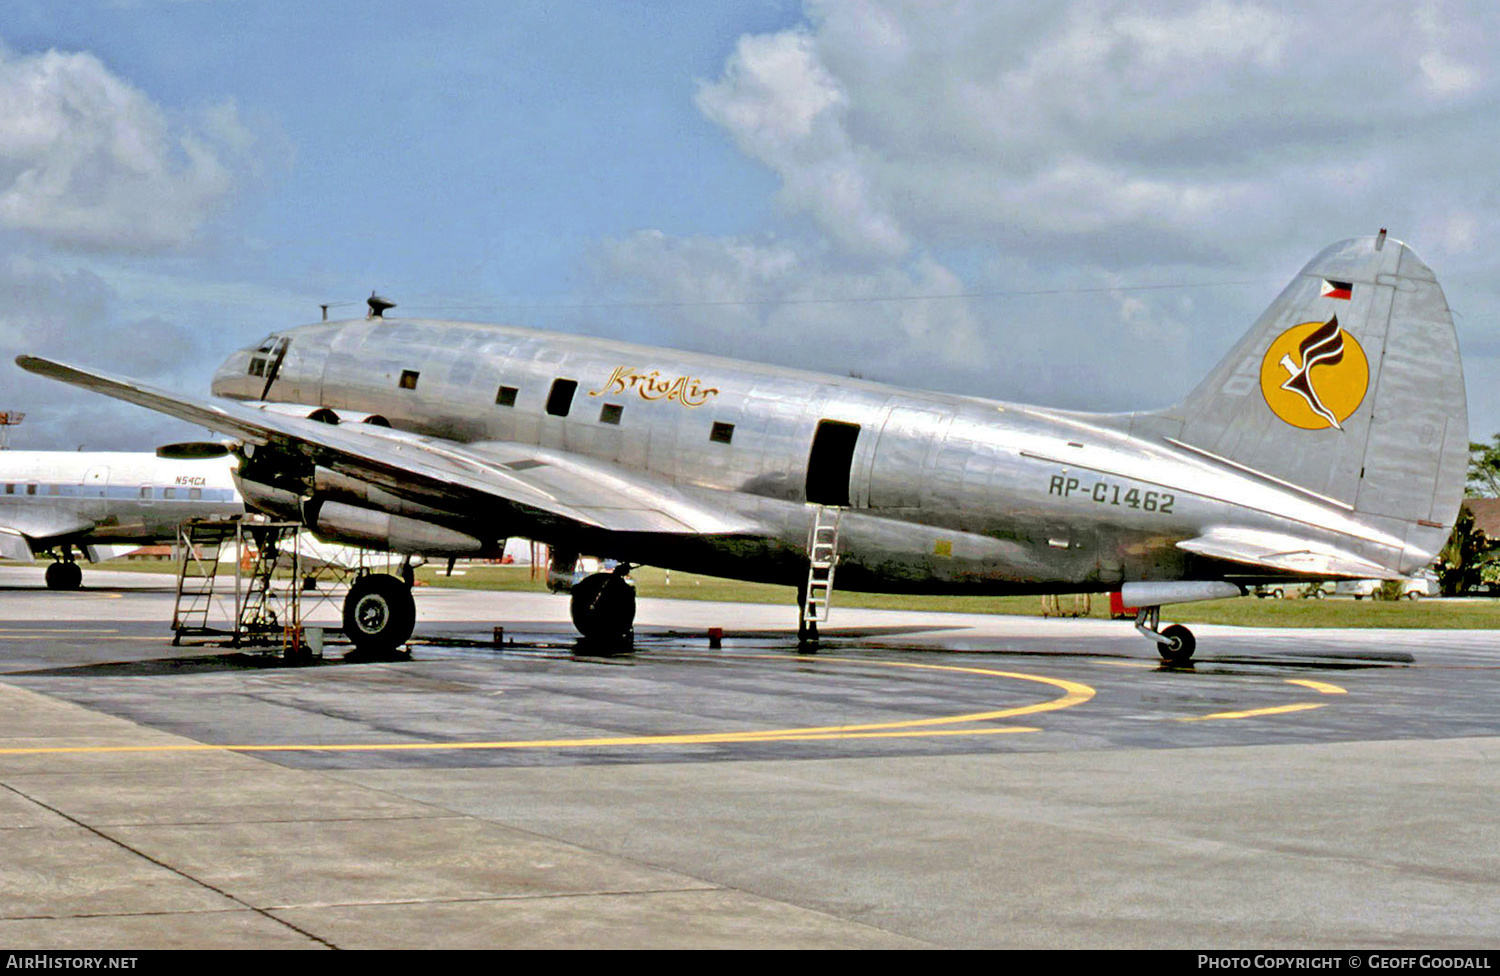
823	558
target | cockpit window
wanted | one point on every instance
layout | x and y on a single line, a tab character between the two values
258	359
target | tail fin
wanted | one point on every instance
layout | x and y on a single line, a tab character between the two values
1349	386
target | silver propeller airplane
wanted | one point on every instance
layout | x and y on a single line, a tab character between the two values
1331	442
59	501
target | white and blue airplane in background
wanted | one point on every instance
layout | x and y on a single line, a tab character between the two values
67	502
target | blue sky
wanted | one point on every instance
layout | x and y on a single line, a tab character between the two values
180	178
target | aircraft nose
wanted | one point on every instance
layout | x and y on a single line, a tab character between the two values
232	376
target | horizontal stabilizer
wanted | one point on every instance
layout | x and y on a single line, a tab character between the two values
1284	553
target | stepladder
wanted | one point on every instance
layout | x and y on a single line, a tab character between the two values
822	560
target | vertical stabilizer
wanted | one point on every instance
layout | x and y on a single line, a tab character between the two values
1349	386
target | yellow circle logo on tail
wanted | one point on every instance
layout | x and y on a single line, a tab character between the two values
1315	375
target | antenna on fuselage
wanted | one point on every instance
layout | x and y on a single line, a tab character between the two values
378	306
325	306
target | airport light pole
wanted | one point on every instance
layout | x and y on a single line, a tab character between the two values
8	419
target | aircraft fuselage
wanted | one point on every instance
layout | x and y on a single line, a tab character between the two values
940	492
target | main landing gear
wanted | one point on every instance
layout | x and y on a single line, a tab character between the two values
379	613
1175	643
603	608
65	574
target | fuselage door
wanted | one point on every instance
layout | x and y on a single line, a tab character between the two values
829	462
94	491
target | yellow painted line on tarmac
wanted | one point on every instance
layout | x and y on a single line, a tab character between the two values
1321	687
59	630
1128	664
1074	693
1255	712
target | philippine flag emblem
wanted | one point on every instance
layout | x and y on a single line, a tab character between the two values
1337	289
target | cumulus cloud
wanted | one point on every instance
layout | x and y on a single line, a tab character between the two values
784	108
895	125
1077	148
88	160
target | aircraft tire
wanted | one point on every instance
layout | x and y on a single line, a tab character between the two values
64	576
379	613
603	607
1183	643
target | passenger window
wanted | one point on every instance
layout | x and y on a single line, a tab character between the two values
10	489
146	492
195	493
610	414
169	493
31	489
506	396
409	379
560	400
721	433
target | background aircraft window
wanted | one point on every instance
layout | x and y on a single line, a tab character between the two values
10	489
169	493
560	400
610	414
31	489
409	379
506	396
721	433
195	493
145	492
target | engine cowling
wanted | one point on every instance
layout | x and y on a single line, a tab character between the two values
374	529
361	525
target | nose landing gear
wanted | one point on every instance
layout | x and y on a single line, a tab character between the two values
65	574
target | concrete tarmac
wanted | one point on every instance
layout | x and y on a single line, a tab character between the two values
925	780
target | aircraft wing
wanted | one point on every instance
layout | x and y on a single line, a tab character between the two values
1287	553
539	487
39	529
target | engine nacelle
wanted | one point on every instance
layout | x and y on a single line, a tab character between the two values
332	486
375	529
275	502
